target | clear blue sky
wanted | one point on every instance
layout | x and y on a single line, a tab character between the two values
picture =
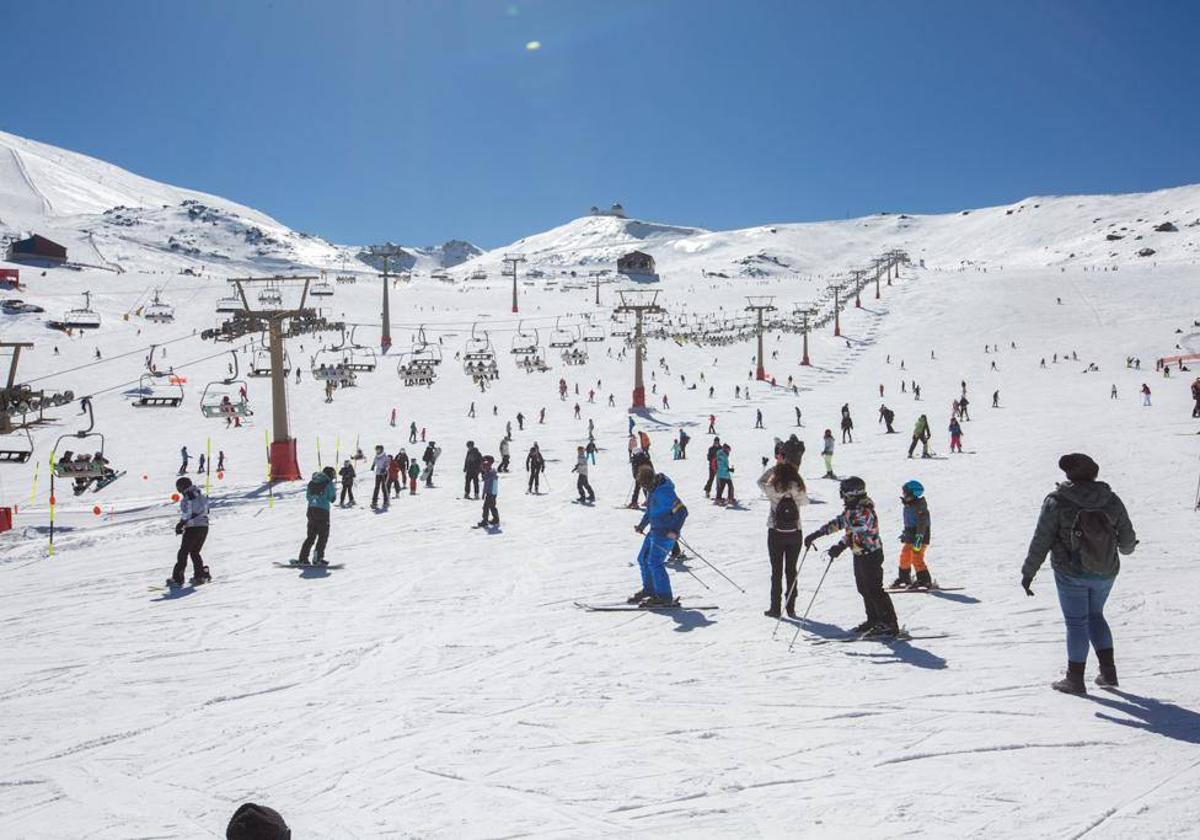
365	120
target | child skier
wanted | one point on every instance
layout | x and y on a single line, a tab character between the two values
827	454
861	535
193	527
319	495
915	539
956	433
586	493
414	472
491	489
665	514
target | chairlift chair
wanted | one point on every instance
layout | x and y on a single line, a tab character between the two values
359	358
270	296
561	338
11	454
414	370
321	288
232	303
260	363
82	319
524	343
158	390
593	333
83	465
425	350
158	312
217	402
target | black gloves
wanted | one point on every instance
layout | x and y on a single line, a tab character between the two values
179	527
836	549
641	529
812	538
1026	583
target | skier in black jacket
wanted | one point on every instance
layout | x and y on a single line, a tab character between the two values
471	467
347	473
535	464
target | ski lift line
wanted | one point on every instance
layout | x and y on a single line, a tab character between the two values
135	352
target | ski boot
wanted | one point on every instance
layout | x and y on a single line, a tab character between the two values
903	580
637	597
320	561
172	583
863	628
924	581
203	577
659	601
772	613
1072	682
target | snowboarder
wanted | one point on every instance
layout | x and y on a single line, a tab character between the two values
1083	525
471	467
347	474
380	467
491	489
319	495
956	434
724	476
887	416
586	493
193	528
535	464
920	434
860	526
665	515
914	541
784	489
412	432
827	453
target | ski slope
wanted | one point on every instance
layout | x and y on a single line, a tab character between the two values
444	685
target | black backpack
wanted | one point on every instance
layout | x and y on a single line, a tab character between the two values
1093	542
787	515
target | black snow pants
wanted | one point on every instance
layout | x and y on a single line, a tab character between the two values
783	547
318	532
585	489
380	487
489	510
868	578
347	492
471	484
189	546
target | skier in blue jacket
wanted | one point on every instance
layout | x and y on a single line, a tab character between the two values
665	514
320	495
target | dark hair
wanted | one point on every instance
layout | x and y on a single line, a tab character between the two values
784	476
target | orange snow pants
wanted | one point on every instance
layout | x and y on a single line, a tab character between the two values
912	558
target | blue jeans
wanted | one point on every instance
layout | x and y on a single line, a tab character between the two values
1082	601
652	560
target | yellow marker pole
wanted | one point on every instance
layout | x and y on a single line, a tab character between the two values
319	463
208	467
270	489
337	450
37	470
53	458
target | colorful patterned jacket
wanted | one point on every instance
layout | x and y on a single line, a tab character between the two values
861	527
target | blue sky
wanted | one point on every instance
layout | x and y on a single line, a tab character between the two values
366	120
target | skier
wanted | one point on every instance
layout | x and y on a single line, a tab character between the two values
996	399
395	470
887	416
861	535
471	410
1083	525
639	465
347	474
414	472
920	433
586	493
758	424
798	423
1112	395
542	416
391	422
520	422
956	433
183	453
471	466
962	408
193	528
827	453
200	465
412	432
220	461
491	489
711	457
784	489
401	460
915	538
724	476
712	423
847	424
684	440
380	467
1145	394
319	494
505	451
1196	397
591	452
665	514
429	457
535	464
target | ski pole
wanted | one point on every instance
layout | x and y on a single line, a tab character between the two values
710	565
804	618
791	589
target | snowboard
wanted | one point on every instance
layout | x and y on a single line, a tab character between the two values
900	589
296	564
172	589
636	608
904	636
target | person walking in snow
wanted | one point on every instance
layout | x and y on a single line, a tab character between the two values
429	457
505	451
956	434
1145	394
920	434
412	432
380	467
860	529
192	527
319	495
827	453
665	515
491	491
535	464
347	475
586	493
472	464
724	476
1083	526
784	489
847	425
914	541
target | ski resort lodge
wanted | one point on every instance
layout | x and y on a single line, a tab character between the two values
37	249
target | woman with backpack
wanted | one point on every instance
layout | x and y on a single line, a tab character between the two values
319	495
1083	525
784	489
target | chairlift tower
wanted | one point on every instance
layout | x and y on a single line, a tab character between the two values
285	465
837	310
596	275
760	304
386	252
513	260
877	267
805	314
640	303
857	275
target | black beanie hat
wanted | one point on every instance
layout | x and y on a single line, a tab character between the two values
257	822
1079	467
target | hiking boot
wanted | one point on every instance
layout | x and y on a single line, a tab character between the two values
1072	682
903	580
1107	678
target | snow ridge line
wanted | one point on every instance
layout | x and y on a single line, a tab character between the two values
232	697
998	748
17	159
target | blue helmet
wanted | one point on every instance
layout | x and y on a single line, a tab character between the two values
913	488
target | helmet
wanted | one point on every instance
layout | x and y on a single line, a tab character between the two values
852	489
913	488
330	472
182	483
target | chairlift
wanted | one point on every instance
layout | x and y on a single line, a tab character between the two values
561	338
331	364
82	319
479	274
593	333
478	347
321	288
360	358
426	351
524	343
415	370
232	303
218	400
260	362
345	278
81	466
270	296
158	390
11	454
159	312
533	362
575	356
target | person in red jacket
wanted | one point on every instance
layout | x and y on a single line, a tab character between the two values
393	482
